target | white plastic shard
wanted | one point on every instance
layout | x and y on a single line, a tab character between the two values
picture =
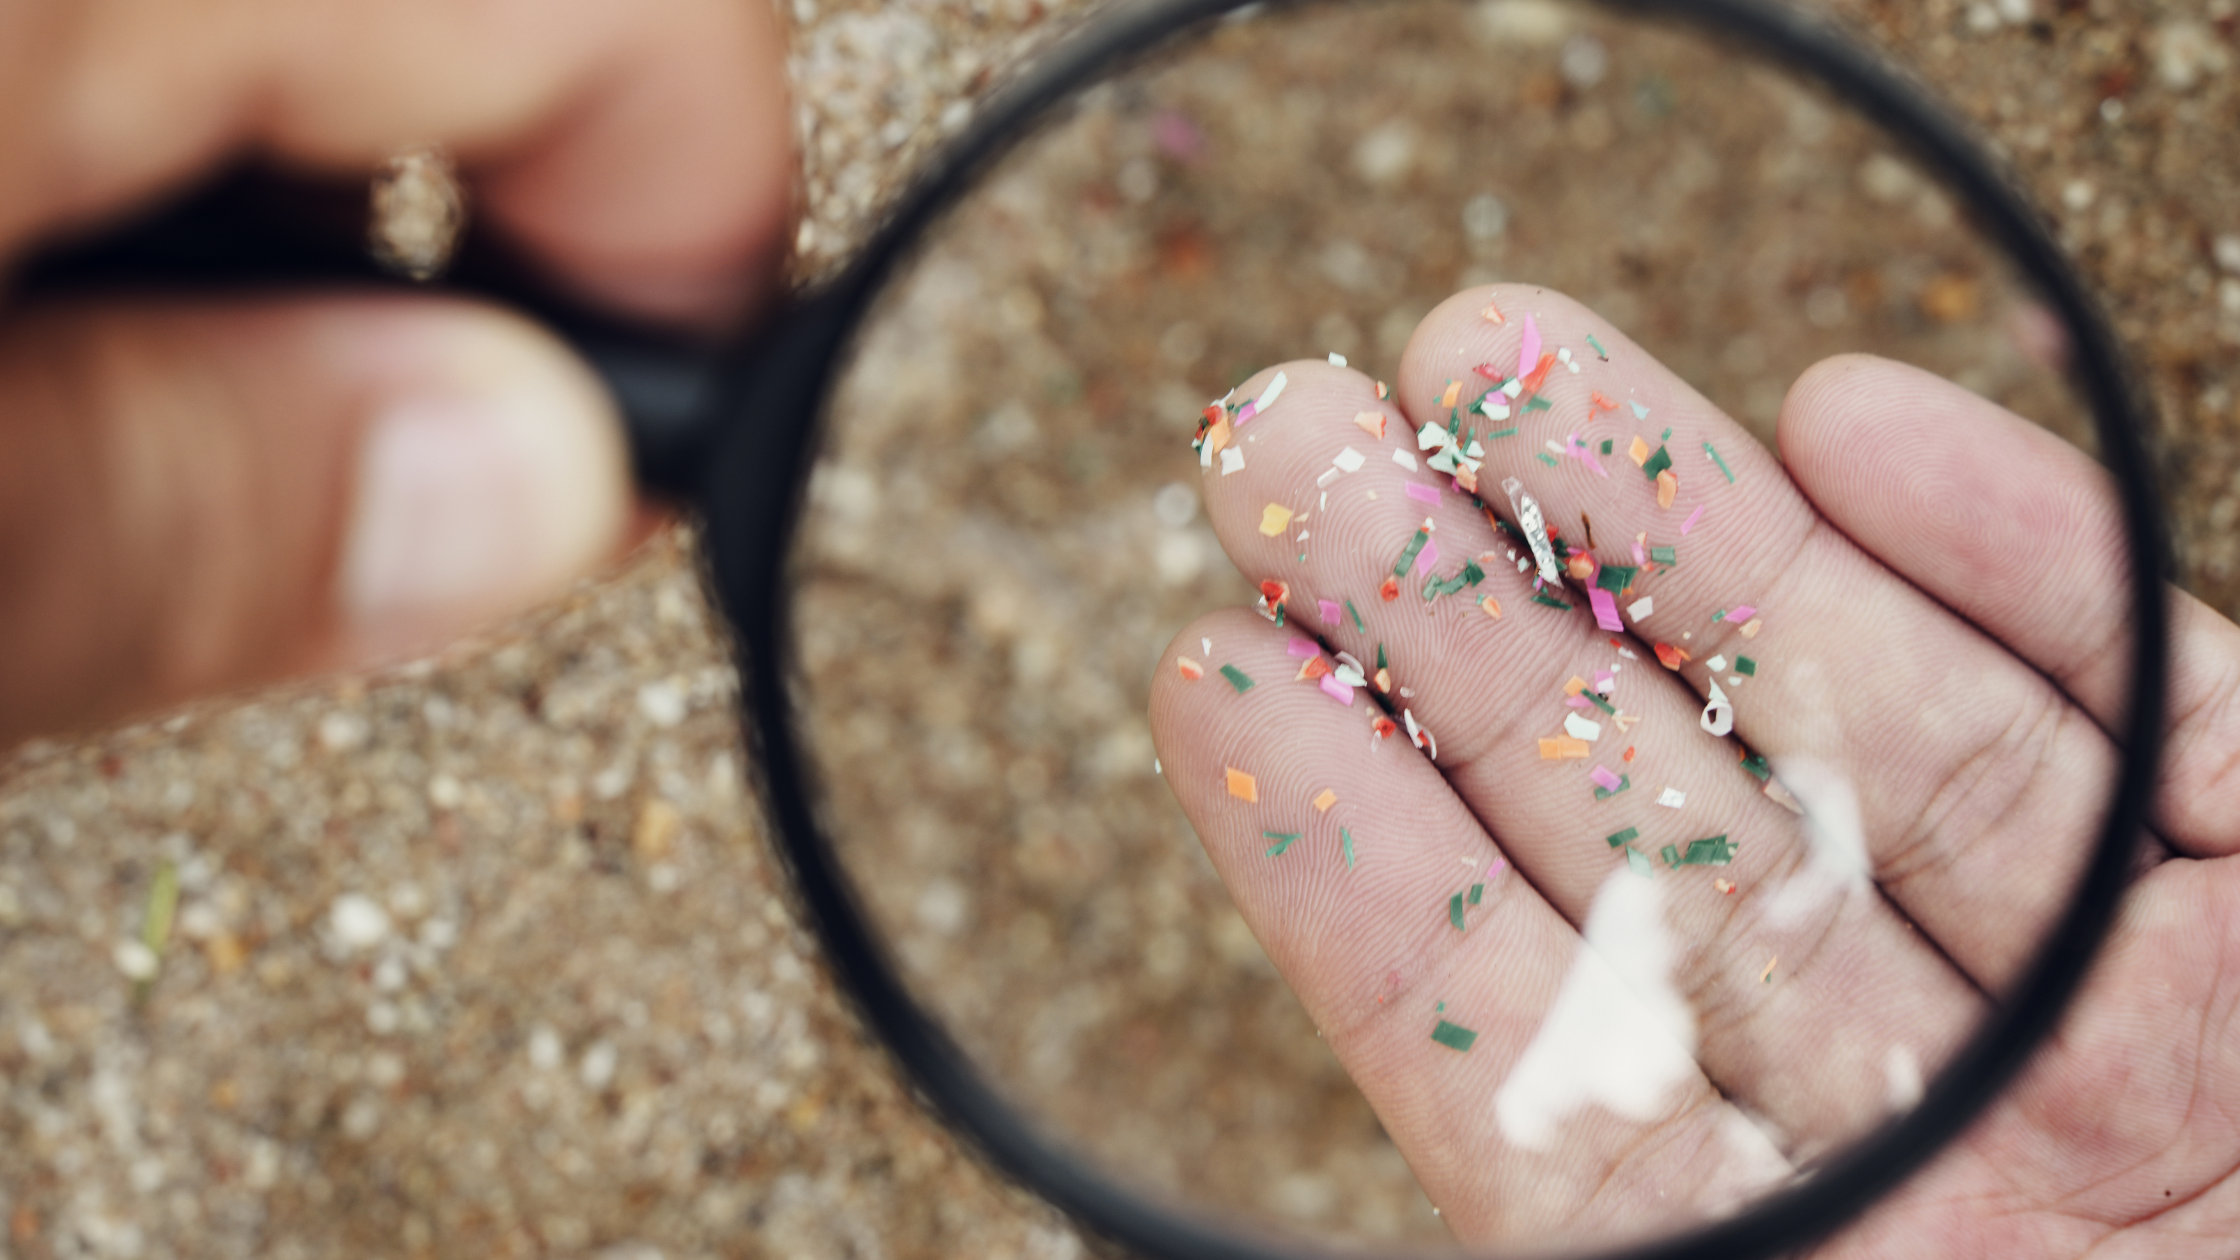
1268	396
1430	437
1349	460
1404	459
1232	460
1336	359
1577	726
1718	713
1640	609
1535	529
1672	798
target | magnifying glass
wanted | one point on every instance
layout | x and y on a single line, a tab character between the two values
1300	711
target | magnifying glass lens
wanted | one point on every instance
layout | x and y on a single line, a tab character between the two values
1318	672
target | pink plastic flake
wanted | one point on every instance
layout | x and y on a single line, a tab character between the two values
1422	493
1300	648
1693	517
1428	557
1528	354
1330	611
1605	780
1336	690
1605	609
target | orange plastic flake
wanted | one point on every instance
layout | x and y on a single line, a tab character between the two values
1725	886
1384	727
1217	437
1312	668
1384	391
1466	478
1493	314
1492	607
1580	566
1539	374
1575	686
1667	486
1274	519
1243	786
1596	402
1390	590
1750	627
1629	753
1371	423
1563	748
1323	802
1275	592
1453	394
1639	451
1670	657
1189	669
1384	681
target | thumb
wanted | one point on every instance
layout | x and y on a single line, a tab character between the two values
196	498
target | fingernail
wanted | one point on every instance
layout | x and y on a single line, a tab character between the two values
478	493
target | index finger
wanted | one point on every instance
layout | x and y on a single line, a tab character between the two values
640	150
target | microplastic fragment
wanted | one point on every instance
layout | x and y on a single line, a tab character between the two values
1454	1036
1528	350
1454	911
1605	354
1639	452
1381	661
1371	423
1502	433
1620	838
1329	610
1672	798
1579	726
1403	458
1718	713
1546	600
1707	449
1640	609
1605	607
1639	864
1755	763
1545	458
1327	798
1336	359
1670	657
1390	590
1664	555
1716	663
1189	669
1409	553
1693	517
1668	488
1243	786
1714	851
1671	854
1346	838
1237	678
1426	558
1477	893
1606	778
1328	475
1274	391
1422	493
1535	530
1384	391
1283	840
1766	976
1725	887
1624	782
1746	667
1349	459
1563	748
1657	462
1274	519
1383	727
1751	627
1615	578
1383	679
1232	460
1334	687
1667	435
1741	612
1355	613
1451	395
1640	411
1563	354
1491	605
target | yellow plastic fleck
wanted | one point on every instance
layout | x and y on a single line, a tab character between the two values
1667	486
1639	450
1243	786
1274	519
1323	802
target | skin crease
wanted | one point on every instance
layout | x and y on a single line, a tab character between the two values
2122	1138
642	152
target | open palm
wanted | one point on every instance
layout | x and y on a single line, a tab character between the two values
1920	609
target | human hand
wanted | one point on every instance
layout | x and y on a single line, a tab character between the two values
203	496
1915	547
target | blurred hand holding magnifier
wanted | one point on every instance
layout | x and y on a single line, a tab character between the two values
1561	825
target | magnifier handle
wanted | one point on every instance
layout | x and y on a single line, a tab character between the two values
251	231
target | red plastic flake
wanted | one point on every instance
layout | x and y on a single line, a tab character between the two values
1384	727
1275	592
1390	590
1671	657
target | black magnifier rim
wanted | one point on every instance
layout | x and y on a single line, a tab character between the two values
759	472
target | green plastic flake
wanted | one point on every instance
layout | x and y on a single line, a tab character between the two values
1718	616
1720	462
1545	458
1542	597
1454	1036
1712	851
1615	578
1755	763
1671	854
1346	838
1477	893
1283	840
1408	556
1381	662
1657	463
1664	555
1454	911
1511	431
1471	575
1640	864
1237	677
1595	697
1606	445
1600	351
1746	667
1538	403
1667	434
1618	839
1356	614
1602	793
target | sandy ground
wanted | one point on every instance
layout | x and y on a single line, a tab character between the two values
489	956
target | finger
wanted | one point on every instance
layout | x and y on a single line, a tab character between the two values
1858	987
1352	867
642	149
1970	768
197	498
2016	530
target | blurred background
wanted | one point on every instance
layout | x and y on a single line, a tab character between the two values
487	956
